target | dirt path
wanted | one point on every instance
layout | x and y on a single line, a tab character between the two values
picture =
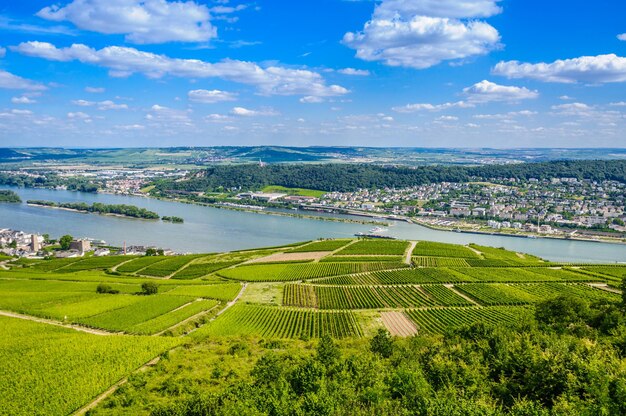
191	318
57	323
114	387
463	295
480	254
398	324
114	268
604	286
409	252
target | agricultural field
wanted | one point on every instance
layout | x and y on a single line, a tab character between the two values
94	263
431	249
167	267
375	247
274	322
375	259
356	297
421	261
324	245
438	321
291	272
197	270
399	276
138	264
48	370
225	298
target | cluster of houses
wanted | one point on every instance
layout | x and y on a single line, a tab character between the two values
21	244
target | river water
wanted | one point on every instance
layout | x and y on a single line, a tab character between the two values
209	229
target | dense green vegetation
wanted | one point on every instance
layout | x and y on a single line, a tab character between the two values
9	196
272	322
48	370
494	332
375	247
342	177
98	208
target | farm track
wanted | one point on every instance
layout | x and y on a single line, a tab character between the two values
409	252
83	410
463	295
191	318
114	268
57	323
604	286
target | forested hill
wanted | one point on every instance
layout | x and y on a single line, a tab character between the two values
345	178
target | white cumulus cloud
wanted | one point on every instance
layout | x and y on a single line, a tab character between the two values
94	90
586	69
355	72
210	96
439	8
486	91
413	108
423	34
14	82
244	112
124	61
142	21
22	100
622	36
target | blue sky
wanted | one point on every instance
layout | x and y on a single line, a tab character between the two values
424	73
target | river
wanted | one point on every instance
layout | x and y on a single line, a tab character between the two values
209	229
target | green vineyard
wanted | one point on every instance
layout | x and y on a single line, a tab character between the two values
437	321
375	247
273	322
431	249
303	271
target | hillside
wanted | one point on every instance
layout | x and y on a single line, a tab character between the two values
238	311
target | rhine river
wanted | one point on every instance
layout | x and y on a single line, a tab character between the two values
209	229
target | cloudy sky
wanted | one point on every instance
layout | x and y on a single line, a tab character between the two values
424	73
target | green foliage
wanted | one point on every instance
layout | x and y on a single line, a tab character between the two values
438	321
225	292
174	317
9	196
99	208
138	264
168	266
149	288
382	343
196	270
623	289
106	288
65	241
350	177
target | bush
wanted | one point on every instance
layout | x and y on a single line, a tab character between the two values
382	343
149	288
105	288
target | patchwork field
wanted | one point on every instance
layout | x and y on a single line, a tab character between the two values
342	288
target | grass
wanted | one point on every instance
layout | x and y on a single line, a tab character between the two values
293	191
324	245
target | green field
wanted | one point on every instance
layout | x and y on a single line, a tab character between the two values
220	301
293	191
47	370
273	322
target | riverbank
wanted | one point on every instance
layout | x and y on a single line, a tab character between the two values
530	235
264	210
30	204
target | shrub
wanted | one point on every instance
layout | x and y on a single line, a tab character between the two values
149	288
105	288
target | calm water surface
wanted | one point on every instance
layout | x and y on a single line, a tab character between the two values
210	229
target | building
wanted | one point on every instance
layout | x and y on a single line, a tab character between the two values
35	245
80	245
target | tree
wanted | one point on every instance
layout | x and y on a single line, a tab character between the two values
65	241
105	288
327	351
562	312
382	343
149	288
